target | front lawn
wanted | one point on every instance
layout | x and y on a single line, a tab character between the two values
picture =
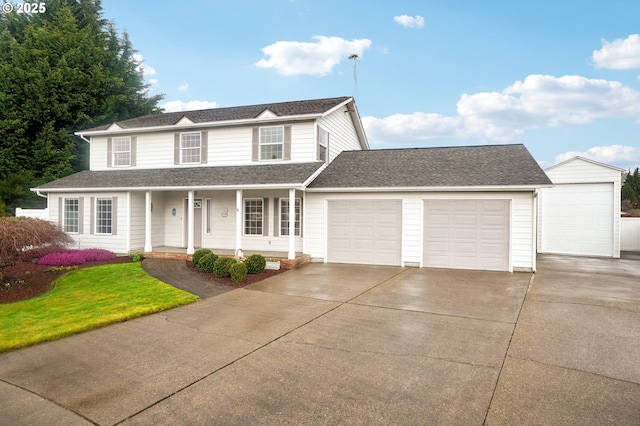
86	299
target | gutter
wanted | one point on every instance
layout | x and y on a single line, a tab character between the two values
502	188
299	186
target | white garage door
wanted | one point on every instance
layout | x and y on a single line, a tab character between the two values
578	219
466	234
365	231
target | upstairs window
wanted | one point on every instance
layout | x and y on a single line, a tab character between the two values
284	217
271	143
121	151
323	144
190	147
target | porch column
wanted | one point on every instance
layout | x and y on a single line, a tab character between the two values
147	222
190	234
239	214
292	223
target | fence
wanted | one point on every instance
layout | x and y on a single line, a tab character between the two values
630	233
36	213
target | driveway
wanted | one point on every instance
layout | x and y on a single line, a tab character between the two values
345	344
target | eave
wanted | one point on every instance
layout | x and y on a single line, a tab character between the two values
489	188
299	186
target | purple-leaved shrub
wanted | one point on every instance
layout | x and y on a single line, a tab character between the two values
75	257
97	254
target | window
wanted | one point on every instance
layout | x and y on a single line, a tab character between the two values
271	143
323	144
121	151
253	216
284	217
104	215
71	215
190	147
208	217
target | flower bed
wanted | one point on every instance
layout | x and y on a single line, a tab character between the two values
75	257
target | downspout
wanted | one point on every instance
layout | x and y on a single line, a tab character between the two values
535	229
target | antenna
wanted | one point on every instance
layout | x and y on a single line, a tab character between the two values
354	57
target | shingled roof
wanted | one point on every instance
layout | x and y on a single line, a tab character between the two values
281	109
268	174
471	166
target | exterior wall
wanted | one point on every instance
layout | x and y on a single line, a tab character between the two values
34	213
137	217
581	171
342	134
227	146
522	222
630	233
85	239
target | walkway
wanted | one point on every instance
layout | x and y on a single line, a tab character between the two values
176	273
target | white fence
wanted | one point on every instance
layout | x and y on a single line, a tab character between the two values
36	213
630	233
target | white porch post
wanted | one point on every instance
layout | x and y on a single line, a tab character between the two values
147	222
239	214
190	233
292	223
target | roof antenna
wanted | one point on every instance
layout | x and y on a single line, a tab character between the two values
354	57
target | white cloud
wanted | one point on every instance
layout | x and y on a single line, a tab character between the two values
142	67
540	101
619	54
174	106
410	21
183	87
604	154
319	58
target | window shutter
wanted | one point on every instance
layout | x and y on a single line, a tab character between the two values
276	217
255	144
204	147
134	150
287	143
326	159
176	148
265	217
81	215
300	217
92	217
109	151
61	213
114	216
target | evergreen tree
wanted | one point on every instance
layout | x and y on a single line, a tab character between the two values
61	71
631	188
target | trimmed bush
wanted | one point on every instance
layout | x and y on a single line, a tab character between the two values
199	254
255	263
238	272
207	263
222	265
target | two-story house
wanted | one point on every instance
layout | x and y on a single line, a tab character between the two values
298	178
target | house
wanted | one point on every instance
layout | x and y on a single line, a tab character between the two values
580	215
299	178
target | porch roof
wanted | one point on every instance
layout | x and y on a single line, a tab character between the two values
227	177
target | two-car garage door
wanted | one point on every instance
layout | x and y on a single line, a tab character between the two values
458	234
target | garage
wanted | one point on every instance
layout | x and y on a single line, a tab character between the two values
466	234
365	232
579	219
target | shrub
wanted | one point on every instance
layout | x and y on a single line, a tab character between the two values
136	257
222	265
238	272
94	254
63	258
207	263
199	254
255	263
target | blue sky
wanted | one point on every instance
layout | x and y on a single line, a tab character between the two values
561	76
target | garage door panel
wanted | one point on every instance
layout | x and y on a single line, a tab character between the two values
372	230
477	232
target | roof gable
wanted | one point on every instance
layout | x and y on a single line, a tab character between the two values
472	166
585	160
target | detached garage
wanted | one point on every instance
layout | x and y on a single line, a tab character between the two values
455	207
580	215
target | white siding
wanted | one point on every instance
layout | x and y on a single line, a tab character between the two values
579	171
630	233
522	230
137	215
342	134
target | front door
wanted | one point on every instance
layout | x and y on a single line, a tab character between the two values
197	222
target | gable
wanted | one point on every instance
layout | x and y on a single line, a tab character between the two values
579	169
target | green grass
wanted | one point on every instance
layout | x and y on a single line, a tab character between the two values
86	299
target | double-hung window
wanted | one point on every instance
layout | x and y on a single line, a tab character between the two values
190	147
323	144
284	217
104	216
71	215
121	151
271	143
253	211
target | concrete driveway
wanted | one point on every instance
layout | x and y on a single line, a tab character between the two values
344	344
